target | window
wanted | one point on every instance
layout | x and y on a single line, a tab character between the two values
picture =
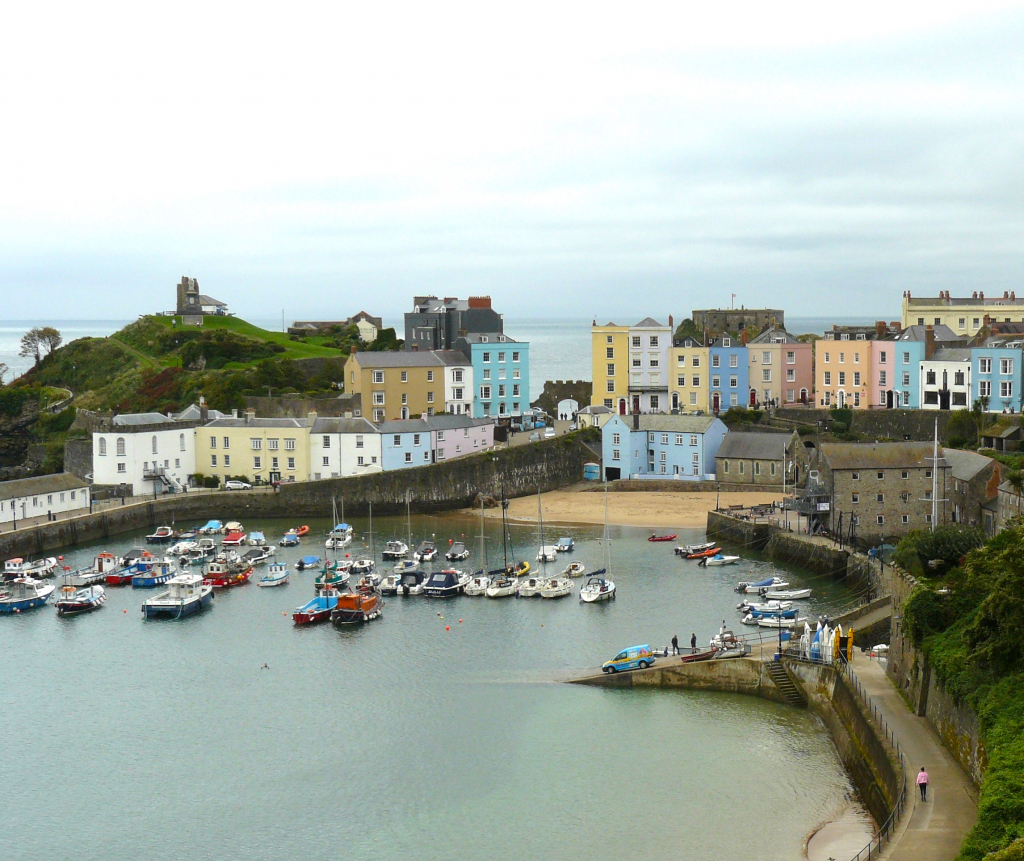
360	461
515	356
430	376
790	357
733	382
664	439
726	342
855	498
257	462
122	467
609	353
664	456
905	496
416	438
120	446
984	366
734	361
430	397
766	375
828	378
696	361
695	381
842	378
904	519
882	378
103	447
681	380
636	363
976	322
856	378
608	403
879	497
906	358
257	444
716	361
985	388
610	370
757	467
693	439
615	454
227	460
827	358
790	376
654	341
882	357
289	445
501	358
929	378
958	378
963	322
927	494
378	376
1005	389
773	467
181	442
766	358
655	402
906	399
880	519
213	460
734	400
856	476
405	376
273	463
842	358
378	398
716	382
1006	366
272	444
880	475
486	357
741	467
327	462
487	373
616	439
405	398
485	393
654	363
906	378
213	442
693	399
408	457
227	442
610	386
725	464
291	463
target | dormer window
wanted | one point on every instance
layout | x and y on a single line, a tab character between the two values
726	342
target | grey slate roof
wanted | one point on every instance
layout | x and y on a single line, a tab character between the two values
431	423
768	334
259	423
128	419
917	333
192	413
600	410
343	425
40	484
951	354
880	455
964	465
412	359
670	423
649	323
492	338
209	300
756	446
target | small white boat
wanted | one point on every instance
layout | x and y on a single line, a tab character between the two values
277	575
338	542
718	559
389	585
687	549
556	587
395	550
180	548
259	554
478	585
565	544
359	567
755	588
457	552
786	594
597	589
765	607
502	586
257	539
412	583
530	587
426	552
574	569
405	565
233	526
20	568
776	622
547	553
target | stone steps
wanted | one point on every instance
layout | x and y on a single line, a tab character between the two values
789	689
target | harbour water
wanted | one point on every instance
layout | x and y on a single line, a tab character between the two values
402	739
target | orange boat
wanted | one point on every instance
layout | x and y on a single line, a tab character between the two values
711	551
223	575
359	606
302	530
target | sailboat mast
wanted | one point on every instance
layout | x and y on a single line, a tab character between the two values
607	542
373	541
483	541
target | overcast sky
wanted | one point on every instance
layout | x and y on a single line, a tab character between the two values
571	160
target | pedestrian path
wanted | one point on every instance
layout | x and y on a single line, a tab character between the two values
933	829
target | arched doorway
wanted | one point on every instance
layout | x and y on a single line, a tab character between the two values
753	398
622	406
636	403
716	402
840	399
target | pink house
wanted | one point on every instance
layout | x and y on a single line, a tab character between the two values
781	368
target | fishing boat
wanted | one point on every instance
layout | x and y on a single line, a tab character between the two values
530	587
556	587
258	555
317	610
256	539
24	593
18	567
186	594
477	585
446	583
289	539
362	567
656	537
767	583
704	554
565	544
597	589
212	527
124	575
102	565
426	552
718	559
355	607
277	575
457	552
225	575
333	575
73	602
307	562
234	539
157	573
181	548
785	594
687	549
395	550
162	535
574	569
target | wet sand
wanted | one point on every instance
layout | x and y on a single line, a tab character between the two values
843	837
652	510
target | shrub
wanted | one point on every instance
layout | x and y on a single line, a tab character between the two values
12	400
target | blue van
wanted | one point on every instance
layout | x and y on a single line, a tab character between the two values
635	657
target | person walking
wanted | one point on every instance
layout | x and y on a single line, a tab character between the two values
922	783
693	644
675	645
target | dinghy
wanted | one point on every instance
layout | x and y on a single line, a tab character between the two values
574	569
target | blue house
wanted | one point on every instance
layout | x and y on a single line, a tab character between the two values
652	445
728	376
405	443
432	439
997	373
501	373
907	357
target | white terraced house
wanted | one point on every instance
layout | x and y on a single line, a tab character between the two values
151	452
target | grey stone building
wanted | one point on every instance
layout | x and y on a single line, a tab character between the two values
734	320
755	458
192	305
975	488
881	491
435	324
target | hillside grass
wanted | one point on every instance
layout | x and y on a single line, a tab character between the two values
293	349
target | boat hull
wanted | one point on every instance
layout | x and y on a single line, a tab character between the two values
77	608
179	609
23	605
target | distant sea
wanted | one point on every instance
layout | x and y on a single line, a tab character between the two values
559	347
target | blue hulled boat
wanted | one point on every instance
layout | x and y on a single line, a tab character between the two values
186	594
157	574
24	593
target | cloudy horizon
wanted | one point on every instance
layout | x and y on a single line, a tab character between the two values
584	161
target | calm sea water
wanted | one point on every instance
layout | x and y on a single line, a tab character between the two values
402	740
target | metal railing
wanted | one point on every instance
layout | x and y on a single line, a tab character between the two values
886	830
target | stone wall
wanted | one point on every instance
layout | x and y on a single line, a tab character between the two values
560	390
878	424
299	407
450	485
672	485
78	456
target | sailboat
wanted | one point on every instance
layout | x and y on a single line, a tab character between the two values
547	587
480	581
341	536
547	552
366	567
600	586
504	583
334	574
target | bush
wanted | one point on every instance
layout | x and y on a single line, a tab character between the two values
12	400
947	545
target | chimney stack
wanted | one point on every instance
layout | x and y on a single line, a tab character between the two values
981	295
929	341
743	338
234	413
250	414
880	329
974	295
204	412
670	325
348	414
312	417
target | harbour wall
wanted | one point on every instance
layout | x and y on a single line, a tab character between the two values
680	485
855	569
876	772
956	723
454	484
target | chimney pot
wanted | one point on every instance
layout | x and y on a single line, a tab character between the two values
981	295
348	414
250	414
312	416
234	413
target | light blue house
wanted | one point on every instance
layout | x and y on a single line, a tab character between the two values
501	373
997	373
404	444
432	439
650	445
907	357
728	376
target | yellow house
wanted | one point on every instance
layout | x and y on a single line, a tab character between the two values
964	315
609	351
688	376
400	385
842	370
262	450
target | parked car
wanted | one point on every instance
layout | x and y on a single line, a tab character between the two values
237	485
535	437
635	657
549	432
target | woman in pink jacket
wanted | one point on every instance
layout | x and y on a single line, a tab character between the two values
922	783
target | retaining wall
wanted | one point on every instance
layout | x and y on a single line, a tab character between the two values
440	487
661	485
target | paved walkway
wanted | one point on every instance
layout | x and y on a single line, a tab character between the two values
933	829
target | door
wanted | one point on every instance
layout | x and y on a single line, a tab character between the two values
612	473
636	403
675	400
753	398
622	406
716	402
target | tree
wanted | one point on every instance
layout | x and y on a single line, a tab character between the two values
3	370
978	409
30	345
50	338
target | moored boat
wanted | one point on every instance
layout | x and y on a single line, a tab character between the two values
18	567
764	607
258	555
212	527
457	552
411	583
718	559
307	562
361	567
446	583
355	607
426	552
767	583
162	535
597	589
73	602
339	537
395	550
477	585
317	610
289	539
333	574
574	569
556	587
234	539
24	593
776	622
277	575
256	539
547	553
565	544
530	587
688	549
655	537
123	576
182	547
156	573
502	585
785	594
713	550
186	594
102	565
226	575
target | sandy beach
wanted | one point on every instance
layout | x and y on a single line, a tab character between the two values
654	510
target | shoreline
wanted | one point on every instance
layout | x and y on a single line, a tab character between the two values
652	510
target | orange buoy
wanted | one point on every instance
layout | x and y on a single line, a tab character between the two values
447	627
